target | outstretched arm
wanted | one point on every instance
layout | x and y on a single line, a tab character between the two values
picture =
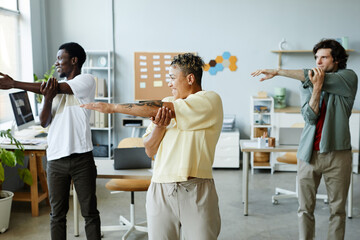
142	109
7	82
270	73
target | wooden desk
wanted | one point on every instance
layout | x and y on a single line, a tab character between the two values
247	146
35	153
105	169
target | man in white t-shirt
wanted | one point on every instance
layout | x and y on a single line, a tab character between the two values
70	147
184	131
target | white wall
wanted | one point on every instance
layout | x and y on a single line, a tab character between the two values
247	29
87	22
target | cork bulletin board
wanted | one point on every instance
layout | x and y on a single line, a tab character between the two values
152	75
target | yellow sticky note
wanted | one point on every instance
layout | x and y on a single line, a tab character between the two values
158	83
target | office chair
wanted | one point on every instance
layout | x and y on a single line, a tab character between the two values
290	158
280	193
128	185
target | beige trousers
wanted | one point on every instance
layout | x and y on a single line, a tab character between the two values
336	168
191	205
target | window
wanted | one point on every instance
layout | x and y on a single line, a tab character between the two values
10	60
10	5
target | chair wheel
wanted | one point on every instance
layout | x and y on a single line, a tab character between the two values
275	202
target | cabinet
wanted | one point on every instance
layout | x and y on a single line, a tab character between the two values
101	65
262	121
227	152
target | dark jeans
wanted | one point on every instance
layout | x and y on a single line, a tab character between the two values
82	170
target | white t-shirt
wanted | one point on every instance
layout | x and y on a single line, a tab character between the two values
69	131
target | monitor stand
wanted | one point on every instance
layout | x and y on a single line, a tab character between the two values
13	127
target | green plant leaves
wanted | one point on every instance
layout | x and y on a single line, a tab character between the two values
19	155
12	158
7	134
2	174
25	175
8	158
47	75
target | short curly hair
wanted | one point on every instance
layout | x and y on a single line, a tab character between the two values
337	51
189	63
75	50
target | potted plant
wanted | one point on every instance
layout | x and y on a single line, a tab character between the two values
47	75
10	159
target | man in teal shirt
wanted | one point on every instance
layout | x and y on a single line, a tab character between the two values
327	97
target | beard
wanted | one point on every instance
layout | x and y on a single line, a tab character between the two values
62	75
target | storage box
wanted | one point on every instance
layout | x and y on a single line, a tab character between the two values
100	150
261	157
259	132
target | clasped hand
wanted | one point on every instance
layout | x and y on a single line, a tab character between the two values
6	82
317	76
49	89
162	118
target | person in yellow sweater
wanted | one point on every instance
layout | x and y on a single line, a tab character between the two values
183	134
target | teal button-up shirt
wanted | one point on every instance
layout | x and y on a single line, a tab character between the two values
339	94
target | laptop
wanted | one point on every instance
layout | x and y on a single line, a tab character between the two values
131	158
289	135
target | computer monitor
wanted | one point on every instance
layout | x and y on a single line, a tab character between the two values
22	109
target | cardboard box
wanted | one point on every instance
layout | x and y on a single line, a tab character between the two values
100	150
259	132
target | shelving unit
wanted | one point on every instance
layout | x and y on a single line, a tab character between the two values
262	120
280	52
100	63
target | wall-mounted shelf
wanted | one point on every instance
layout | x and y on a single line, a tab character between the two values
280	52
